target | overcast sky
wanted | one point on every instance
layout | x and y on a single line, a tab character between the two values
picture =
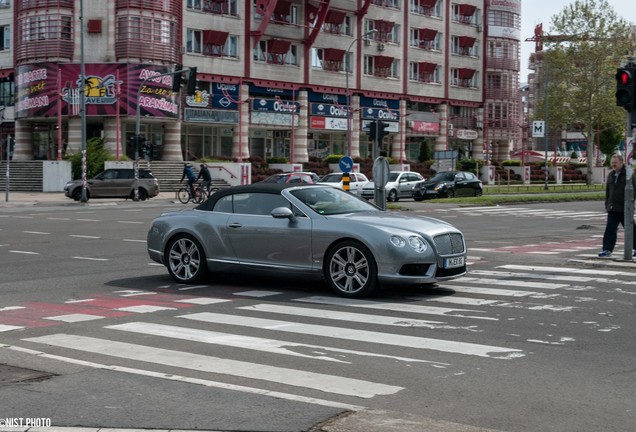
534	12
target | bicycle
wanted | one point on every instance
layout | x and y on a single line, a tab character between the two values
201	193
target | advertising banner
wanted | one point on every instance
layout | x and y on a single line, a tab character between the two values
40	87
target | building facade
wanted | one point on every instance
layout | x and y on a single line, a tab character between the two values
276	78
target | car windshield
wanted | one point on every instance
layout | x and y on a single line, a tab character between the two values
332	178
445	176
328	201
393	176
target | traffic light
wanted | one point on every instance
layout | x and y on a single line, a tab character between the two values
382	132
373	128
192	81
625	88
176	78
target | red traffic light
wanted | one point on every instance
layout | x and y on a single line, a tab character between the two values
623	77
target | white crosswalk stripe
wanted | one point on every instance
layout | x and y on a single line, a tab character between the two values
528	212
433	329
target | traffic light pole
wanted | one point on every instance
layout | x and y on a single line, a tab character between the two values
628	222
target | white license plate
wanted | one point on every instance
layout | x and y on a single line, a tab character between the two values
453	262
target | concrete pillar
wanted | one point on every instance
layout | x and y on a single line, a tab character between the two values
300	131
478	144
74	135
441	142
398	150
23	147
240	138
110	137
172	150
355	127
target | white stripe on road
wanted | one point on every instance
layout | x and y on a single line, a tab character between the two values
352	317
252	343
84	236
90	259
36	232
133	240
360	335
24	252
327	383
531	276
491	291
399	307
189	380
510	282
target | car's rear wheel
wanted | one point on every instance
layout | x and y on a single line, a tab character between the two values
143	194
77	194
350	269
478	192
186	260
393	195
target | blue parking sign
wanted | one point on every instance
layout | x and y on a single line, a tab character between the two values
345	164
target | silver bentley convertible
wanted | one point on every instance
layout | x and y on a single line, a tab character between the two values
306	229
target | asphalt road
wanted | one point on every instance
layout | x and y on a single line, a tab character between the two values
538	337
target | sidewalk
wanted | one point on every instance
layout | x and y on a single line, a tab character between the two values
58	198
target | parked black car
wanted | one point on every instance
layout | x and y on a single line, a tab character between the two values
447	185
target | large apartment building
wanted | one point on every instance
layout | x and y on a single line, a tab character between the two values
276	78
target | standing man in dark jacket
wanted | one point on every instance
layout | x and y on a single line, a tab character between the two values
615	204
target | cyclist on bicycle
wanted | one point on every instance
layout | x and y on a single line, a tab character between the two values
207	177
189	173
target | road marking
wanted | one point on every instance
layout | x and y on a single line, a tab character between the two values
489	291
71	318
252	343
399	307
89	220
7	328
36	232
297	378
135	240
567	278
511	282
84	236
144	308
59	218
24	252
257	293
179	378
360	335
351	317
131	222
90	259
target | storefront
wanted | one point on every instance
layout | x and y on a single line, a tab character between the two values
375	109
328	114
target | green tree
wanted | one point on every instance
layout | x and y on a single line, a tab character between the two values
96	155
587	42
425	153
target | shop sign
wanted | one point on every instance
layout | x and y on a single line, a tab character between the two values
328	123
380	114
210	116
272	119
275	105
320	109
466	134
327	98
424	127
387	104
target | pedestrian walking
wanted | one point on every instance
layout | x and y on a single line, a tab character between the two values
615	205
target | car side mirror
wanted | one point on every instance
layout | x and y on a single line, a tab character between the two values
283	213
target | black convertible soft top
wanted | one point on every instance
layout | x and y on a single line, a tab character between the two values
272	188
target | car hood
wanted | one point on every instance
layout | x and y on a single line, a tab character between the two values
427	183
392	222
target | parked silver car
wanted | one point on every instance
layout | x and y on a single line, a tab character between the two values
399	185
306	230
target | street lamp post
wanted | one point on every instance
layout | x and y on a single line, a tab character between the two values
82	93
349	110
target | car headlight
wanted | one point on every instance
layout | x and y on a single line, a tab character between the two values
418	244
398	241
439	186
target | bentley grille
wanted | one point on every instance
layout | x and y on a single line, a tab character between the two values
449	244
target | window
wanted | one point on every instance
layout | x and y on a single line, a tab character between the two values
276	51
5	41
329	59
461	77
284	13
427	7
222	7
465	14
7	91
424	72
193	41
195	44
146	29
386	31
382	66
395	4
427	39
43	27
464	45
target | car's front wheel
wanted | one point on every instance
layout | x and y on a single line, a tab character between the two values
393	196
350	269
186	260
450	193
77	194
479	192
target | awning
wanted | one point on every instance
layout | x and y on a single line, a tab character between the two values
278	46
335	17
428	3
427	34
214	37
466	41
465	73
383	26
467	10
384	62
426	67
333	54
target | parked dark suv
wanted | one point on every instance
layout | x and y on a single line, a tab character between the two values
115	183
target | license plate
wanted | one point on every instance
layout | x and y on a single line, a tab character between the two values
453	262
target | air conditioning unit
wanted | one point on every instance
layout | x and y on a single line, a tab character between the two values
380	46
409	123
451	132
479	29
450	126
367	42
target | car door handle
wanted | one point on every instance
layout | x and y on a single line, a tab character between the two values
235	225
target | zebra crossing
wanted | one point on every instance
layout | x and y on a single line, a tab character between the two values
525	212
315	348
